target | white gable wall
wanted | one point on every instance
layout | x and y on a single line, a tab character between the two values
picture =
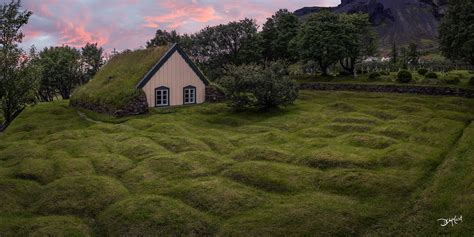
175	74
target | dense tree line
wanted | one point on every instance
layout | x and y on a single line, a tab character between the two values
457	31
38	76
327	38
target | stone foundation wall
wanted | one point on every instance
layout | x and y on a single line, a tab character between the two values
135	107
214	94
409	89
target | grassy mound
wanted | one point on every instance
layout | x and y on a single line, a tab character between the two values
218	196
191	164
261	153
82	196
114	85
111	165
74	167
272	177
366	183
330	158
40	170
44	226
17	195
154	216
302	215
370	141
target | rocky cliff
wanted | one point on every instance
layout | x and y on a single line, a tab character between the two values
400	21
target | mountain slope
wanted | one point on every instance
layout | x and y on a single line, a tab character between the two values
399	21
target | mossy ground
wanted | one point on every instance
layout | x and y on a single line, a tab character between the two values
335	163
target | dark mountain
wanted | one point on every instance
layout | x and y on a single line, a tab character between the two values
399	21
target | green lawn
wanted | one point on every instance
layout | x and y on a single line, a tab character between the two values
335	163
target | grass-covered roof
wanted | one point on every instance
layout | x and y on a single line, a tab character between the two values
115	84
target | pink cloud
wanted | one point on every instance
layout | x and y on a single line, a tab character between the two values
128	24
181	13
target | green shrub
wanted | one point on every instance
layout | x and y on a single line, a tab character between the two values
374	76
431	75
251	86
384	73
452	79
153	215
404	76
422	71
471	81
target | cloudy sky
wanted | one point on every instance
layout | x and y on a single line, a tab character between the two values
128	24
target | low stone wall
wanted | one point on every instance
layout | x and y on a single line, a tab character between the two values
409	89
135	107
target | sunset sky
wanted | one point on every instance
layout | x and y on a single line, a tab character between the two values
128	24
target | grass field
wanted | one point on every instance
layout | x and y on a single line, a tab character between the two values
335	163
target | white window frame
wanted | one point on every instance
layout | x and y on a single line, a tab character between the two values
189	95
164	96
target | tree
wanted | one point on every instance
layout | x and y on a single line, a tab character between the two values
15	89
394	55
234	43
92	59
413	56
163	37
360	40
322	39
277	32
457	31
61	68
254	86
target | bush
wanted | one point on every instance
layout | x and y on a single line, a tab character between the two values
374	76
431	75
384	73
471	81
251	86
422	71
404	76
452	79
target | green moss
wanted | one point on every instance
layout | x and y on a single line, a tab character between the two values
218	196
39	170
154	216
114	84
261	153
17	195
370	141
301	215
44	226
74	167
334	163
83	195
272	177
111	165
